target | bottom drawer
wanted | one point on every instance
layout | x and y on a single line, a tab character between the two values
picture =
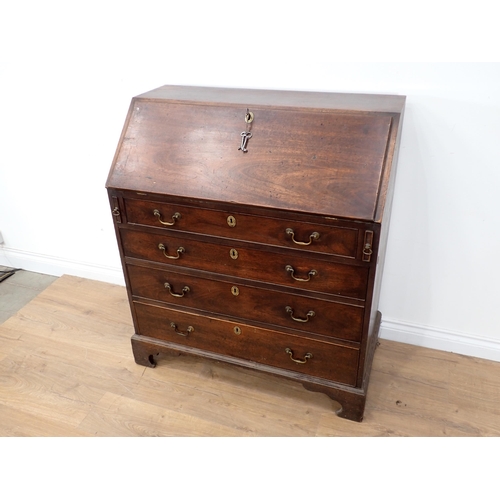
317	358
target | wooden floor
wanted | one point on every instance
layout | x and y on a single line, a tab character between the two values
66	369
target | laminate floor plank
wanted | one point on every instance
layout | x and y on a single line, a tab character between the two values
67	369
19	423
61	367
234	396
413	392
21	389
122	416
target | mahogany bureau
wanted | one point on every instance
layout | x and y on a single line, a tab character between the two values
252	228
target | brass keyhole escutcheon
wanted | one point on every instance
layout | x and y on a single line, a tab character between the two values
233	253
237	330
231	221
249	117
235	290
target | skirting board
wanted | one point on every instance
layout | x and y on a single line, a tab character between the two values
55	266
442	340
424	336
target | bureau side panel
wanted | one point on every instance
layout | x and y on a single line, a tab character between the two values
118	213
383	215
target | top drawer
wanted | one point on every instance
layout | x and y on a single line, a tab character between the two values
327	239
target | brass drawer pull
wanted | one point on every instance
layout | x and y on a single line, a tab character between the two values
309	315
367	250
307	356
185	290
180	250
291	270
312	237
175	218
189	330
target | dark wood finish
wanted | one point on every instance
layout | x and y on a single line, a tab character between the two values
275	252
333	240
252	303
329	360
313	161
253	263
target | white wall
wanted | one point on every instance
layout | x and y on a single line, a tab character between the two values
69	69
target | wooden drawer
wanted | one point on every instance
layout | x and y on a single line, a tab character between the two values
320	317
331	240
231	258
328	360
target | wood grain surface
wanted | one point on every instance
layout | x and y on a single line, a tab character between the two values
304	160
66	369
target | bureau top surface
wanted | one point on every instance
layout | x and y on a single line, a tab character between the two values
322	153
